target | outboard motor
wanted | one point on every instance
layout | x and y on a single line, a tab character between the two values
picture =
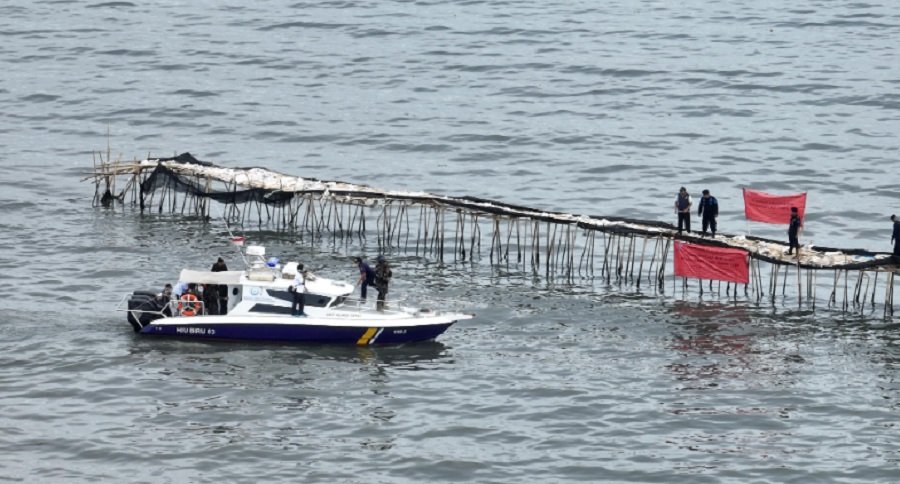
144	307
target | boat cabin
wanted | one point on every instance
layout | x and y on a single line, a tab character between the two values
263	288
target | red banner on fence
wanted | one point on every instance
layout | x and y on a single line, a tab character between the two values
716	263
773	209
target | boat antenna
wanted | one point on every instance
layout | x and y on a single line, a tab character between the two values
234	241
236	245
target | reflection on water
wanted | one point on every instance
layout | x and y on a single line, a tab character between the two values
298	393
229	363
710	347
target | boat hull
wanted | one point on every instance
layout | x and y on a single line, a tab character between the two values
298	333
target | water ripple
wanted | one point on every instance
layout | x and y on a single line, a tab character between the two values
585	108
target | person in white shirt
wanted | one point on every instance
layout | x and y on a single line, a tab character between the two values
180	288
298	287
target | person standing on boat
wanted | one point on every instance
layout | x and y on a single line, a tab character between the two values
210	294
181	287
166	294
683	204
221	290
164	298
709	210
796	225
219	266
383	276
298	288
366	276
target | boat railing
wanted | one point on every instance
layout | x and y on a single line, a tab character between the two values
172	308
397	306
122	305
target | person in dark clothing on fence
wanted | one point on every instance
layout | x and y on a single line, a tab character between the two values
709	210
895	238
683	204
383	276
366	276
794	232
221	301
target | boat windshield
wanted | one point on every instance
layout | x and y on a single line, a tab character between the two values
316	300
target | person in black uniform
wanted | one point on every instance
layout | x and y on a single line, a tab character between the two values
683	204
219	266
210	297
895	238
221	302
366	276
709	210
794	232
383	276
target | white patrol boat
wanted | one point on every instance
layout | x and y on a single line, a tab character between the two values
259	308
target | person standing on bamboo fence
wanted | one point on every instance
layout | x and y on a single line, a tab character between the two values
895	238
709	211
683	204
796	225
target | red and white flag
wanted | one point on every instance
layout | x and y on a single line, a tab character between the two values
716	263
773	209
238	241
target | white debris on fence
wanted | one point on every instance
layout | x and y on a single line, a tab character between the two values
560	244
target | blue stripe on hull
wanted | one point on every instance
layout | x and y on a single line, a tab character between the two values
298	333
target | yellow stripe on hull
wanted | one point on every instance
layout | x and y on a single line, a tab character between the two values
364	339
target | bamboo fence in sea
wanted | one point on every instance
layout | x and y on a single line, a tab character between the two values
614	250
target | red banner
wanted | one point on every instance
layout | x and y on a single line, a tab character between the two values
773	209
716	263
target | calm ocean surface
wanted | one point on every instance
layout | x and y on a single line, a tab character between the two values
586	107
